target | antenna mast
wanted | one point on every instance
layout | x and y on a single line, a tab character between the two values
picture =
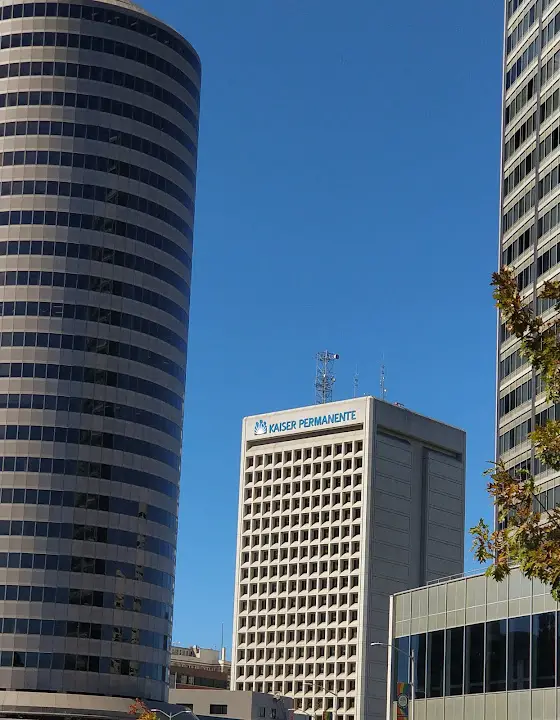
356	381
324	378
382	383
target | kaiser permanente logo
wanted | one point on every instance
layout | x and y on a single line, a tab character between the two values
262	428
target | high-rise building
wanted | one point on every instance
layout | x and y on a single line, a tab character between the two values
530	211
99	107
339	505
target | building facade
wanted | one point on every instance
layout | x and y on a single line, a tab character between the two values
530	216
99	111
483	649
196	667
232	704
340	504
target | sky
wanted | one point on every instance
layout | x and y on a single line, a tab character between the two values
347	199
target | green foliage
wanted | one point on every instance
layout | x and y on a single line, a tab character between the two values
526	535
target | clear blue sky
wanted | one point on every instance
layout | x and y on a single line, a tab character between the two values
347	199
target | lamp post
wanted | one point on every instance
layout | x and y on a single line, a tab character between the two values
170	716
411	670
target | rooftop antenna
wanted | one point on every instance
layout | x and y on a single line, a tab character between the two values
324	378
356	381
382	382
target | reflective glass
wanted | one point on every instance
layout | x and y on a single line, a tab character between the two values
454	661
496	656
519	644
544	650
474	664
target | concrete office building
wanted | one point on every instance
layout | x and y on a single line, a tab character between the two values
98	118
530	217
232	704
196	667
340	505
484	650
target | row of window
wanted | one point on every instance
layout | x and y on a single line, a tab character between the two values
83	468
89	406
550	68
84	630
326	584
510	364
88	501
548	221
519	172
518	246
94	376
514	654
298	471
111	17
550	30
99	74
116	138
97	345
519	100
103	45
295	487
111	166
91	283
89	313
82	663
98	193
91	438
549	144
520	433
88	598
96	223
520	395
288	687
297	536
88	533
97	103
102	254
520	136
512	6
522	62
305	640
278	637
90	566
519	209
302	454
521	29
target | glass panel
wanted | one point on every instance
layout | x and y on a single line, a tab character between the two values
401	662
544	650
474	664
519	643
435	663
496	656
418	645
455	643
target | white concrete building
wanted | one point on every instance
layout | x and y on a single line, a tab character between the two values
341	505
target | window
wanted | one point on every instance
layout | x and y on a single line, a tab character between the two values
218	709
474	669
519	642
544	650
262	712
435	664
454	661
496	656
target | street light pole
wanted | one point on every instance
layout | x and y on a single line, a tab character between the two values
170	716
411	670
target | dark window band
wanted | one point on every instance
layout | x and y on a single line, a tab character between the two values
116	18
91	566
117	138
88	406
92	438
108	76
88	533
89	598
83	468
97	103
111	166
98	193
89	313
94	376
91	631
103	45
100	346
88	501
84	663
96	253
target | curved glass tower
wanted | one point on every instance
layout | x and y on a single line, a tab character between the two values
99	107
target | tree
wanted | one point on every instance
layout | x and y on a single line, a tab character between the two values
140	709
527	534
